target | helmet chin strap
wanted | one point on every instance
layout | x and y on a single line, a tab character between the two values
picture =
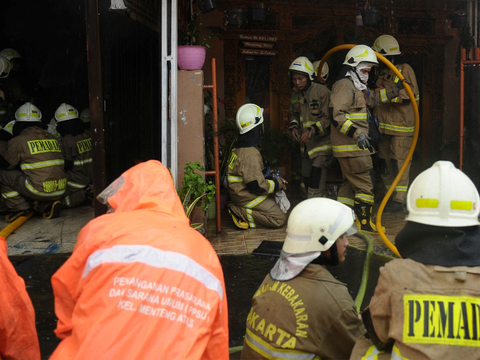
332	260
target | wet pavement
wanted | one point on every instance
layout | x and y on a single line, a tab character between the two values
243	274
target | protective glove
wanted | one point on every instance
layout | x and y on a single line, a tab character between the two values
364	143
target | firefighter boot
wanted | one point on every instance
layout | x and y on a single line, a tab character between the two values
363	218
239	223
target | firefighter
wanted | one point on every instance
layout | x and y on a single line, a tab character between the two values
5	105
85	116
77	151
397	122
40	181
11	83
141	283
251	192
310	125
425	306
6	134
324	73
300	311
350	141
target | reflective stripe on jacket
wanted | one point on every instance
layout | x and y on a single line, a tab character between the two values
141	283
397	117
311	316
39	156
311	109
349	107
431	312
246	165
78	149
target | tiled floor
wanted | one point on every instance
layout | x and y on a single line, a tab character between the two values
233	241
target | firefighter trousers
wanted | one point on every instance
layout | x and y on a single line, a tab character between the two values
357	183
267	213
393	151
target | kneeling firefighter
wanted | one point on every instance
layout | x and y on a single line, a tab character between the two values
251	193
425	306
350	140
301	311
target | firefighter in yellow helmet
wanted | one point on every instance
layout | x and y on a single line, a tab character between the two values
310	125
251	192
425	306
32	168
397	122
301	311
350	141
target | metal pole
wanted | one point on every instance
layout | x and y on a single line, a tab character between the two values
164	85
96	100
173	91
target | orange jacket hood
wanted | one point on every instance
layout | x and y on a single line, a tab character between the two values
146	186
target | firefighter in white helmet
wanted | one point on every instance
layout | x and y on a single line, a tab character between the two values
85	117
397	121
13	85
5	105
77	151
350	141
425	306
41	180
251	192
324	73
301	311
310	125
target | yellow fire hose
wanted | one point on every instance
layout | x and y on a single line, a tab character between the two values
14	225
410	152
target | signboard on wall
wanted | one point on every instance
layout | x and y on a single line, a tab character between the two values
258	45
257	38
258	52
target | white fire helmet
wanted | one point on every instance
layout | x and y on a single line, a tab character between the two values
359	54
5	67
10	54
85	115
9	127
443	196
249	116
386	45
65	112
315	224
302	65
28	112
325	69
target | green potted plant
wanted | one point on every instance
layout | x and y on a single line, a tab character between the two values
192	51
195	191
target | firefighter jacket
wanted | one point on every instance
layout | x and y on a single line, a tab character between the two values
18	335
39	157
309	110
397	117
78	149
429	311
141	283
245	166
349	107
311	316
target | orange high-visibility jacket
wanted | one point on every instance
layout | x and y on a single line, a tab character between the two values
141	283
18	335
